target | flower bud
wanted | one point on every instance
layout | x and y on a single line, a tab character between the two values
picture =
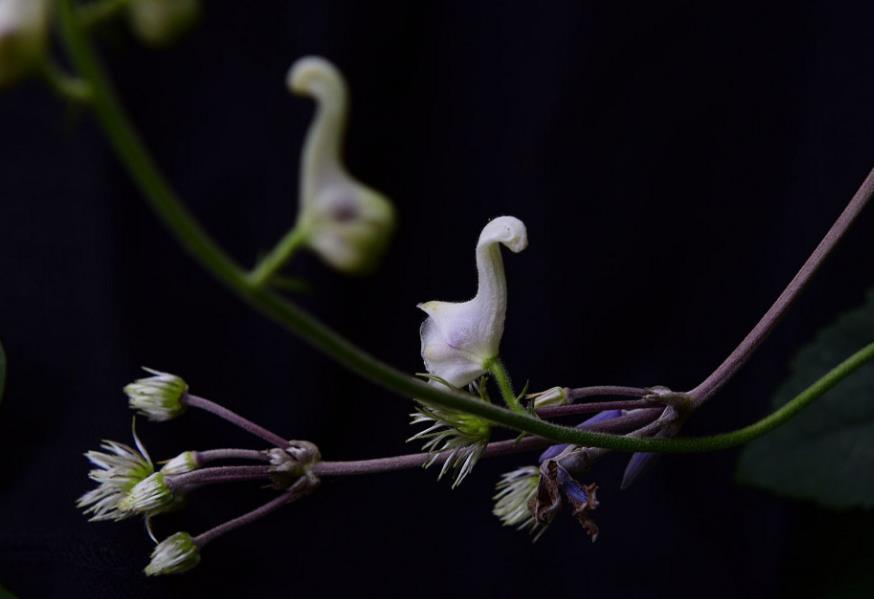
162	22
557	396
176	554
119	469
181	464
516	493
150	496
23	37
457	438
158	397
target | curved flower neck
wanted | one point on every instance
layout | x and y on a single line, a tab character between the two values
492	282
320	162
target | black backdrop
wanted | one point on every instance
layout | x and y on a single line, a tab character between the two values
674	162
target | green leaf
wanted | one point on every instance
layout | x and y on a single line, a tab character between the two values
826	453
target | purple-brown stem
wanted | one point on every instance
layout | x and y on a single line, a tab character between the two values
215	455
495	449
234	418
595	407
295	492
224	413
606	391
219	474
742	352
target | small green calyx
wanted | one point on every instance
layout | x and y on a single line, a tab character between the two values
150	496
159	397
182	464
555	396
176	554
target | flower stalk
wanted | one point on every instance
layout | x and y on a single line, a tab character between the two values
134	156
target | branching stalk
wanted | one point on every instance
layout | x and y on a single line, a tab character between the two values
763	328
225	414
140	165
270	264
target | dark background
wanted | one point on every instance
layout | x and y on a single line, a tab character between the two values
675	163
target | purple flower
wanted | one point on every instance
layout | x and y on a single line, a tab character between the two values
554	450
558	487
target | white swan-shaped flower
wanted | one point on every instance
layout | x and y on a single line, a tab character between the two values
460	339
345	222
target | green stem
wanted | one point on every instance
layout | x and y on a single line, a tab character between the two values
278	257
135	158
64	85
779	416
502	378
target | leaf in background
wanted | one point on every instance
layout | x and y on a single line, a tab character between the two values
826	453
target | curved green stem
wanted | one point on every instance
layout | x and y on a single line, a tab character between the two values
270	264
135	158
502	378
779	416
65	86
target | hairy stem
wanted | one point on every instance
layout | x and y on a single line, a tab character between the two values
219	474
605	391
225	414
215	455
785	412
595	407
495	449
297	490
502	378
742	352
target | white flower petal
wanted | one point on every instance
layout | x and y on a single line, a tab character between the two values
458	339
347	223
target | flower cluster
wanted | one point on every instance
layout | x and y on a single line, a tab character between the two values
120	468
128	484
515	497
457	439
